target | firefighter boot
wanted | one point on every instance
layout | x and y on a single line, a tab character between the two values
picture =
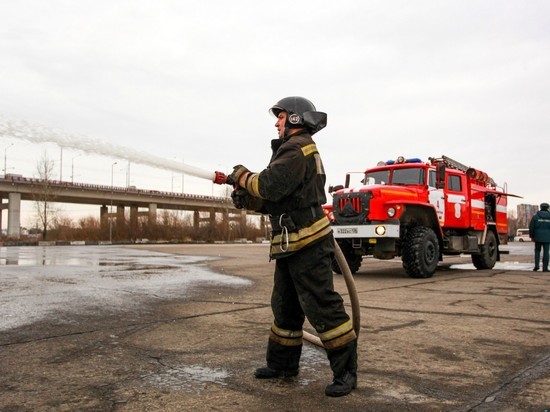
342	385
343	362
282	361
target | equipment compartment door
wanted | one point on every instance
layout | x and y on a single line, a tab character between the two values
456	207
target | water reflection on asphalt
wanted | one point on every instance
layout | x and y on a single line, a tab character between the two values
36	282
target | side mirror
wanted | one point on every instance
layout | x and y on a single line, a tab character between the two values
332	189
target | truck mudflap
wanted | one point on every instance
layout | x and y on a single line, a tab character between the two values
380	230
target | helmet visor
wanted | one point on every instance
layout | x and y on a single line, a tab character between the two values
275	110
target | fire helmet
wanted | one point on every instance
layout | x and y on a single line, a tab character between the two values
300	113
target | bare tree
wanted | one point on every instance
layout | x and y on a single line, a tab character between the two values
44	194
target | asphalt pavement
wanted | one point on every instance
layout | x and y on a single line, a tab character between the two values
182	327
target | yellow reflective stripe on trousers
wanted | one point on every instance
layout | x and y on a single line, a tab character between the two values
338	336
304	236
286	337
338	331
286	333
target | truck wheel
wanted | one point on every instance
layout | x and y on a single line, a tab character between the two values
354	261
487	257
420	252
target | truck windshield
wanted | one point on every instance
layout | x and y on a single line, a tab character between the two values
409	176
382	177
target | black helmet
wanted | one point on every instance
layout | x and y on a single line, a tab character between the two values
301	113
544	206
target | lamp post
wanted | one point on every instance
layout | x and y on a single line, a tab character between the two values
5	159
111	211
61	165
72	168
182	176
128	175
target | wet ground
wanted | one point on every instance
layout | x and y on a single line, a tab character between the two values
182	327
76	280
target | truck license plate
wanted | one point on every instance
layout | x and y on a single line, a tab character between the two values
346	230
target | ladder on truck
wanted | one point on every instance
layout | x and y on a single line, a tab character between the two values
454	164
481	177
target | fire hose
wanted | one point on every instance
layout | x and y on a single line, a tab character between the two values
221	178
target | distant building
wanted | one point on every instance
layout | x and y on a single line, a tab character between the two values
525	213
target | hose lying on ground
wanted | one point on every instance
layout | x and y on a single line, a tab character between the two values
350	284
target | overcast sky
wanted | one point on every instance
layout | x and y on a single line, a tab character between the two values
193	81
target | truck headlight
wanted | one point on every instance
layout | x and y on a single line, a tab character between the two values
391	212
380	230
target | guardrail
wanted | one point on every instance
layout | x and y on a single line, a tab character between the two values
87	186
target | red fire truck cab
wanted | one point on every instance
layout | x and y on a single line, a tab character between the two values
420	211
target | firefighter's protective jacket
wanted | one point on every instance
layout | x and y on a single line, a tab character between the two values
539	227
292	190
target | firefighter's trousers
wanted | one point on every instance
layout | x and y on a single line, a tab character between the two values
303	286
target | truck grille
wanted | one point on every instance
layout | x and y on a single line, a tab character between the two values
354	203
351	208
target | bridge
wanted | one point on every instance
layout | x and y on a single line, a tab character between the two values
16	188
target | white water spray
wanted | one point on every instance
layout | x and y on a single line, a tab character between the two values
41	134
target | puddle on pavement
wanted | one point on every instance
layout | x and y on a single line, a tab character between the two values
498	266
57	282
194	378
189	378
312	359
81	255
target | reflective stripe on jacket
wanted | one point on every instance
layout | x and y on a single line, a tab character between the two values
293	189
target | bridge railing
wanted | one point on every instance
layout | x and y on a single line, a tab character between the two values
19	179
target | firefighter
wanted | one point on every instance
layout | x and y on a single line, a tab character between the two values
539	232
291	191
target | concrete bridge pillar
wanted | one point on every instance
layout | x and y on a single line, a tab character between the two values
14	215
226	227
2	207
133	221
119	217
263	224
103	219
196	220
152	213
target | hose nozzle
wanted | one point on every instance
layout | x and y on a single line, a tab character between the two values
220	178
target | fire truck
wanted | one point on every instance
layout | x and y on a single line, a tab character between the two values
420	211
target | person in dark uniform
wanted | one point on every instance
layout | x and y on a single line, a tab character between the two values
539	232
291	190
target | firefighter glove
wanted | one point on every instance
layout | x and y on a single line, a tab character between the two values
240	198
236	175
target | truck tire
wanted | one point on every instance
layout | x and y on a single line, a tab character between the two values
487	257
354	260
420	252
